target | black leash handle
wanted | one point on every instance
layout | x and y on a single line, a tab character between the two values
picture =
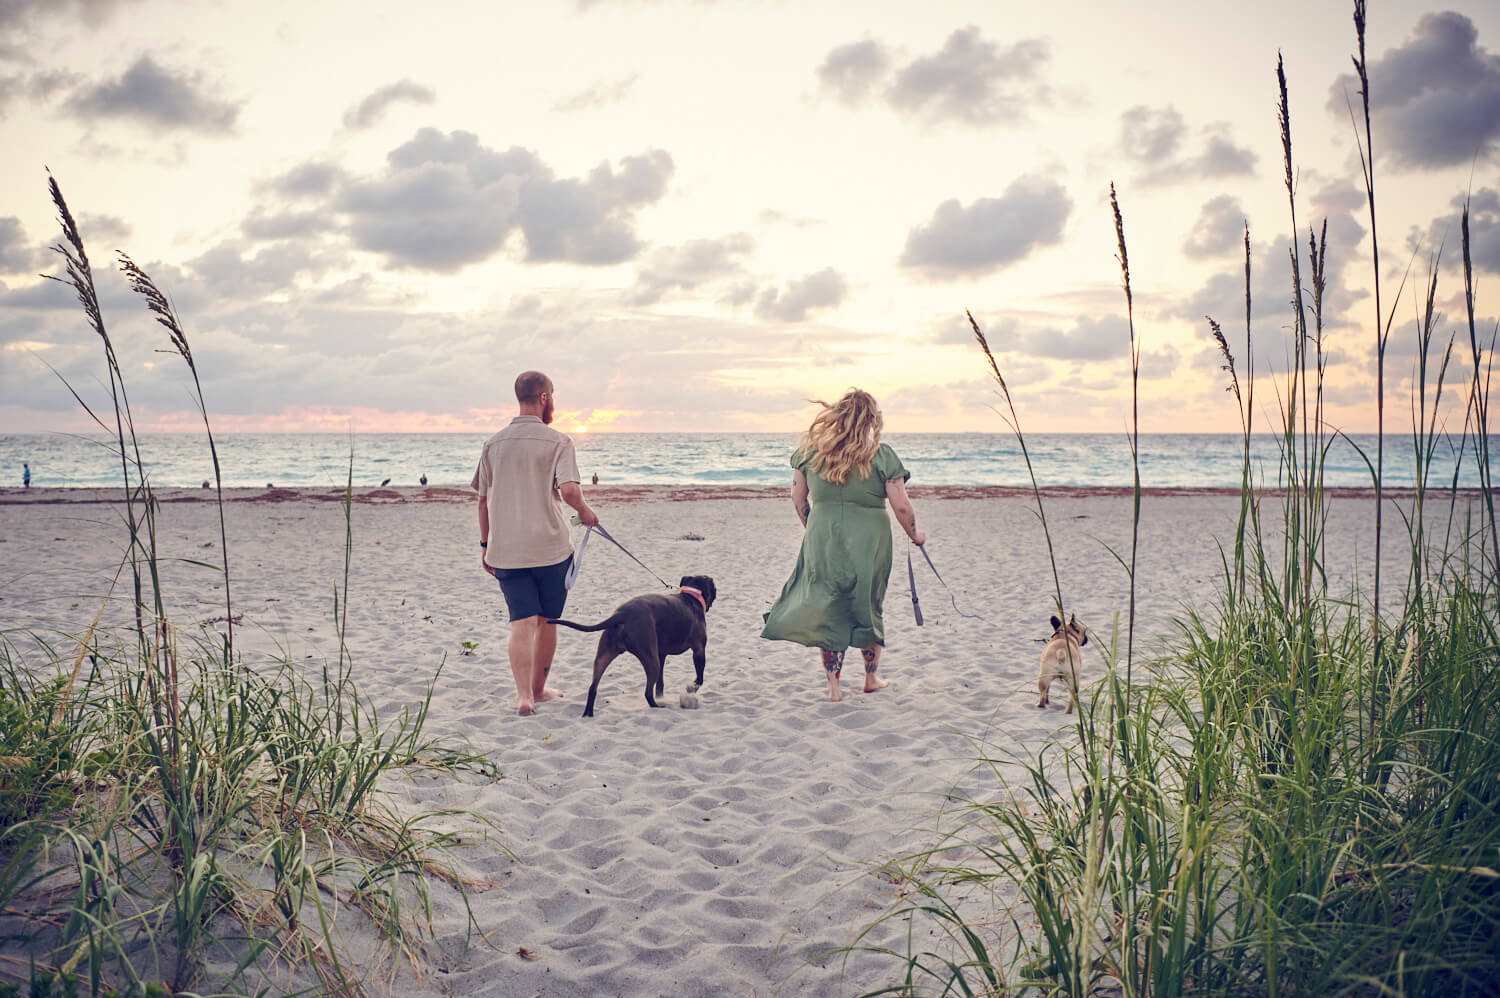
911	579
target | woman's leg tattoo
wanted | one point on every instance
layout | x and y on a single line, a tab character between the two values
833	662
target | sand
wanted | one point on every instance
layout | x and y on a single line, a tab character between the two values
728	849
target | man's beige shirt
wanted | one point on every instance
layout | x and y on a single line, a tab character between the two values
518	473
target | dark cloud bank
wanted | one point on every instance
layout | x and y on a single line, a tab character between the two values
1435	99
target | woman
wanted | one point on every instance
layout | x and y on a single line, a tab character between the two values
843	477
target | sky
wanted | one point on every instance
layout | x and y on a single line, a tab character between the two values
704	214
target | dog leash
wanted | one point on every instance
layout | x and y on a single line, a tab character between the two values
572	575
911	577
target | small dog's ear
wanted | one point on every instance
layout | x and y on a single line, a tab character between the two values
1056	624
1084	639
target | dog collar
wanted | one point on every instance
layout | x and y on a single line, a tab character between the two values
696	594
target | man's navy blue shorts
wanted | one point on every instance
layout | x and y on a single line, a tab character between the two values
535	592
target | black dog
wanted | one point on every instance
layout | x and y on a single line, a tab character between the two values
651	628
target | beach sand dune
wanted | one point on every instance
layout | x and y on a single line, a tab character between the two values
730	849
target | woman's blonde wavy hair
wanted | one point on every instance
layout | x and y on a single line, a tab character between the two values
844	437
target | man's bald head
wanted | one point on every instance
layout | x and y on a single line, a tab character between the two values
531	386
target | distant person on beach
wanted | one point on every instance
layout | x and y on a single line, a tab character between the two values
25	475
596	478
842	479
422	480
523	532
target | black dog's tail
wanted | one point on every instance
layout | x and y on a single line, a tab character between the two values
602	625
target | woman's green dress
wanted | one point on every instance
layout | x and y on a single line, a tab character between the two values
833	599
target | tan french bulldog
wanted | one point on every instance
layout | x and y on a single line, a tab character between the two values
1062	658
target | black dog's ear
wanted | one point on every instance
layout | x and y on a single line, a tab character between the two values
1056	624
686	580
710	591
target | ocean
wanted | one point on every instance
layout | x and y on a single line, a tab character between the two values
325	460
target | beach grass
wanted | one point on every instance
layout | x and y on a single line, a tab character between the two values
174	818
1300	796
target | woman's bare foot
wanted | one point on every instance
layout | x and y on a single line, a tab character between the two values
548	693
526	708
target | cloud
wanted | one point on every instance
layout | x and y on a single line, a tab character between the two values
312	179
1155	139
20	19
1484	232
954	330
33	86
1435	99
815	292
851	72
16	255
970	80
689	266
1151	135
109	228
20	255
368	111
602	94
15	14
445	201
232	269
1220	228
592	222
1223	297
149	93
1089	339
284	225
990	233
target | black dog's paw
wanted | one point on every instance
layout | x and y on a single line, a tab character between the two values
691	688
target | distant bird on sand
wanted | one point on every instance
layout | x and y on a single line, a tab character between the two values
385	483
422	480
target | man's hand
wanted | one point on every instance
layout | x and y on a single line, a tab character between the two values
572	494
485	565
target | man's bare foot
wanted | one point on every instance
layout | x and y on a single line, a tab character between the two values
834	693
873	683
548	693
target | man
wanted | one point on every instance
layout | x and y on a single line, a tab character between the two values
523	531
25	475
